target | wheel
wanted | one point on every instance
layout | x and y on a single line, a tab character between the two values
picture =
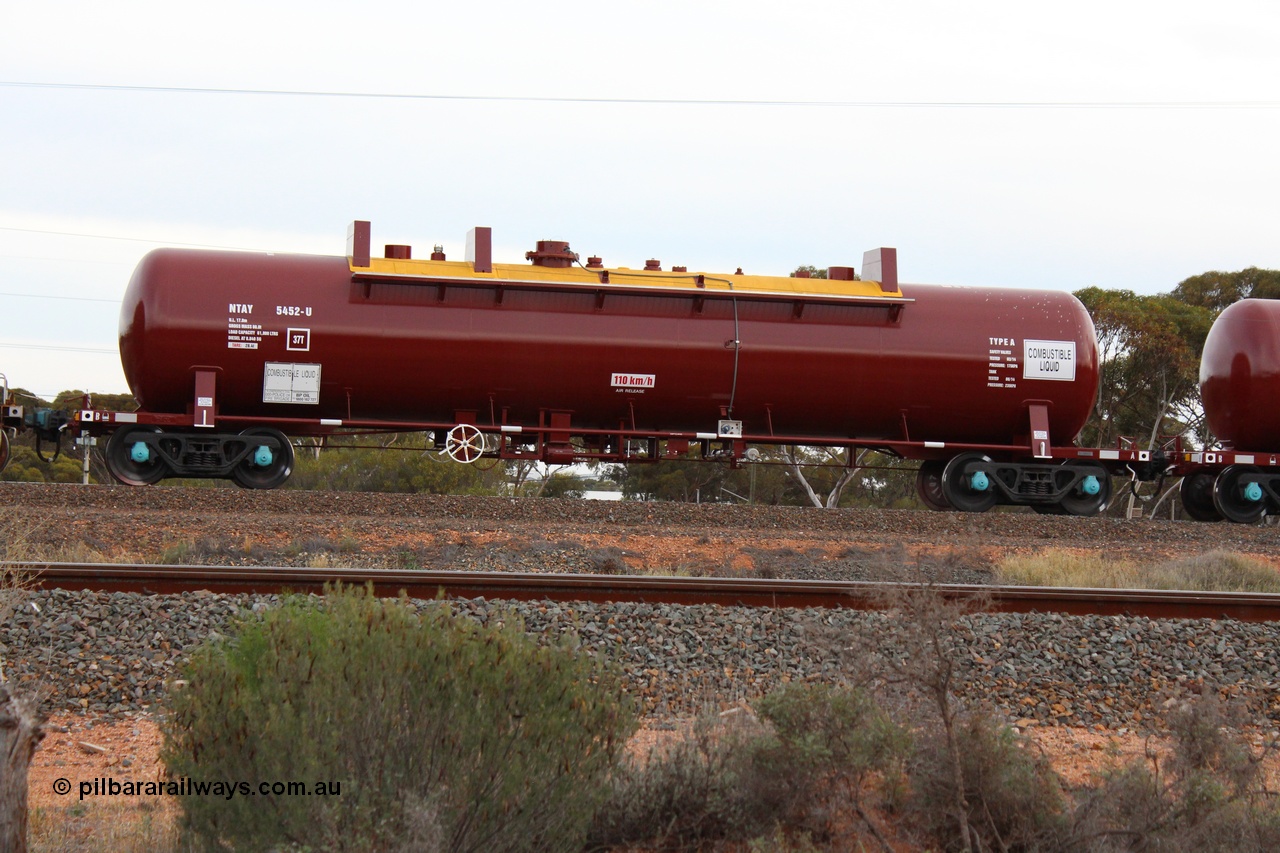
1091	495
4	449
1196	492
929	485
465	443
968	491
1239	501
264	466
132	461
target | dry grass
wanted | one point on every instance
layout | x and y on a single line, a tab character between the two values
14	584
124	826
16	534
1212	571
25	540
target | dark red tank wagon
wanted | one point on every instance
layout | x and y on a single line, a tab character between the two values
230	353
1240	390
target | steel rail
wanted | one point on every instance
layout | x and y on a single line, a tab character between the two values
525	586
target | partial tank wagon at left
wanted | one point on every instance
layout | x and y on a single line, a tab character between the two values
232	355
47	425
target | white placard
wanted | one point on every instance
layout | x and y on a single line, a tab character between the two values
1049	360
291	383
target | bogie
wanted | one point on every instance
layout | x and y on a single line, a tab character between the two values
1238	496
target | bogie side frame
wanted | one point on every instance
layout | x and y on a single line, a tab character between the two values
1037	475
257	452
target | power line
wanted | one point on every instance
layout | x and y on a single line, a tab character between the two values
42	395
69	298
113	237
55	348
66	260
701	102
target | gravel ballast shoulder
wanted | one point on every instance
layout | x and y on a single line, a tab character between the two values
111	655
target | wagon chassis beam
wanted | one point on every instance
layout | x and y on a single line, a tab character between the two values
513	437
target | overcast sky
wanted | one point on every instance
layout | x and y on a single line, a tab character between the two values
1124	145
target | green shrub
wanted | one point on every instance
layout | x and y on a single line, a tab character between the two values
396	468
715	784
561	485
834	738
735	779
26	467
1209	795
1013	796
838	730
779	841
437	733
609	561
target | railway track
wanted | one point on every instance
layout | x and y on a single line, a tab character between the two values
1155	604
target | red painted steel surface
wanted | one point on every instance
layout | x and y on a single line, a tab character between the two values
1240	375
947	367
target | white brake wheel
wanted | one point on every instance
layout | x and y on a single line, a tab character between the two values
465	443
